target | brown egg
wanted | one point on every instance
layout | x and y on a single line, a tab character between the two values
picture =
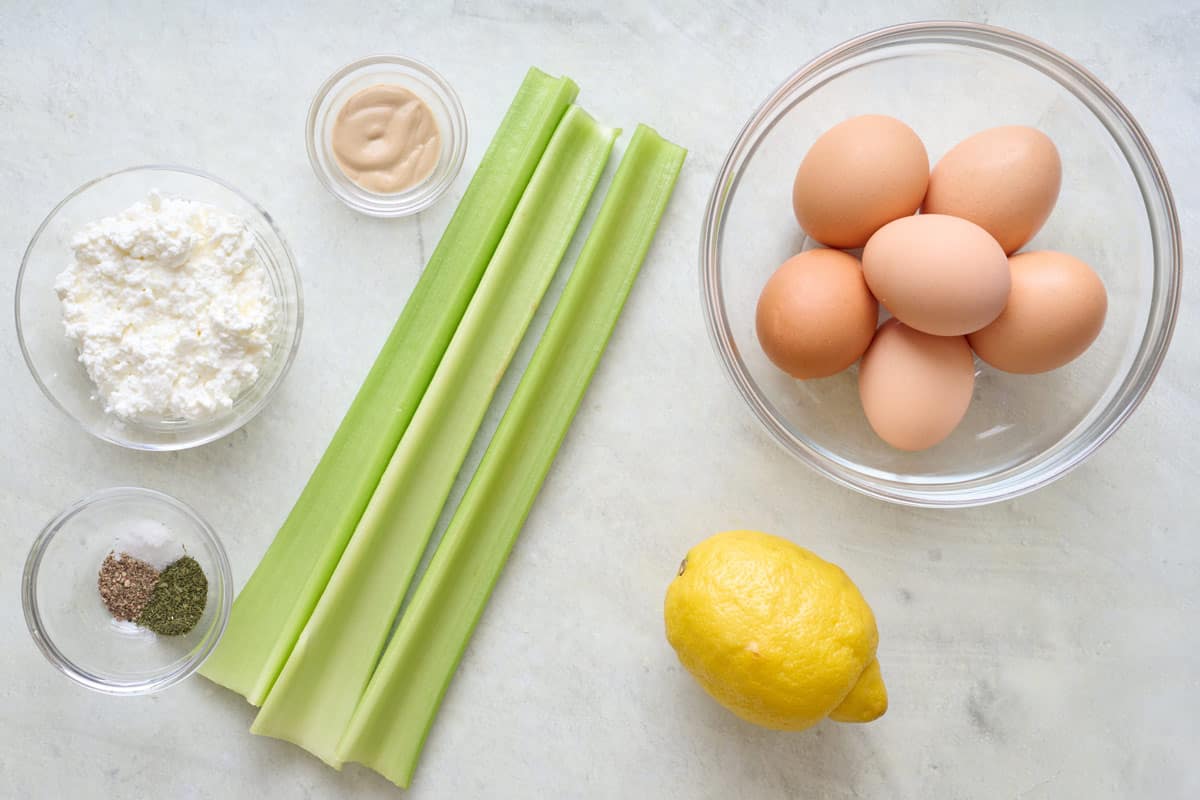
938	274
915	388
858	176
815	316
1005	180
1055	311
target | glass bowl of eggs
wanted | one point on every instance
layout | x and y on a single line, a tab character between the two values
941	264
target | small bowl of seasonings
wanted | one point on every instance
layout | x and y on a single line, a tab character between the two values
127	591
386	135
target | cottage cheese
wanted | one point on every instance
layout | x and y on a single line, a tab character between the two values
170	309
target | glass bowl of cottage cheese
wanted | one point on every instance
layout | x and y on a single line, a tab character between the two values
159	307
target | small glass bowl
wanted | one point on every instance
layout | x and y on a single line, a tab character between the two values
948	80
425	83
67	618
53	359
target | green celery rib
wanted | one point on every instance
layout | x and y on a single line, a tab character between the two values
397	710
276	602
319	687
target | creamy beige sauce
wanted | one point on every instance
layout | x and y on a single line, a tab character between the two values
386	139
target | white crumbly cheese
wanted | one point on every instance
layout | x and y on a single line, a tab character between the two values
170	308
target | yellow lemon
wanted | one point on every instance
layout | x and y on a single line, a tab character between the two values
777	635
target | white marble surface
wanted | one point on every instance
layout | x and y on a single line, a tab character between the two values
1045	647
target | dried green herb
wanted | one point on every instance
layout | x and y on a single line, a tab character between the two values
178	599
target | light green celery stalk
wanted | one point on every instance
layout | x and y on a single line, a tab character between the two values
329	668
279	597
394	716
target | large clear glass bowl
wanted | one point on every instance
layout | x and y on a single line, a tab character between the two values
53	359
948	80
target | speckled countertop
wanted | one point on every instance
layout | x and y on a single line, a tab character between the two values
1044	647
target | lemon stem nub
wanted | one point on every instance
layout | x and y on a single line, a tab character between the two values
868	699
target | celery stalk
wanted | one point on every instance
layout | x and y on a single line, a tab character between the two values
279	597
396	711
320	684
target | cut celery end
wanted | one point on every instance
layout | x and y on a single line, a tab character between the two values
275	604
320	685
394	716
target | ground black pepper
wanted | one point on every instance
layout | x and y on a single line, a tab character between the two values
126	584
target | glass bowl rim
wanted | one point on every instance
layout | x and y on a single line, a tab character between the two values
287	263
1060	458
424	194
72	670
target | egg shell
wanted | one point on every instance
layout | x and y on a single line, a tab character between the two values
938	274
1055	310
858	176
915	388
815	316
1006	180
